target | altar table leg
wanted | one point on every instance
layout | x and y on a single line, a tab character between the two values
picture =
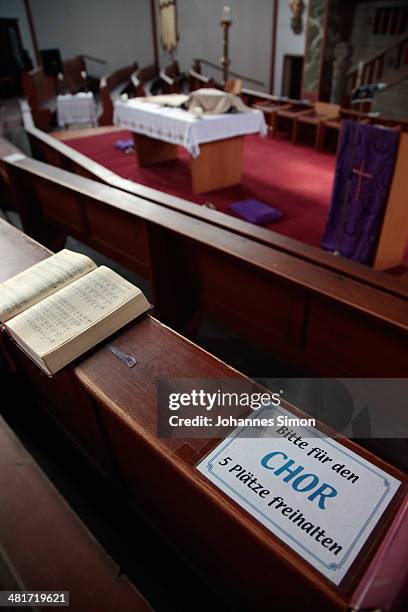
151	151
218	165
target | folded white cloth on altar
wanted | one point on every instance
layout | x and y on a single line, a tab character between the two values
180	127
208	99
78	108
215	101
175	100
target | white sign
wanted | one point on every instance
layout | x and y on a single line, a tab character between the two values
322	499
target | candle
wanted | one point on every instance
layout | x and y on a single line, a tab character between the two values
226	13
360	72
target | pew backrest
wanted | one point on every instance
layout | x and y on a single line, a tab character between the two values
41	93
72	73
110	89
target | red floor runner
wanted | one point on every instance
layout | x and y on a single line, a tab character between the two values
293	178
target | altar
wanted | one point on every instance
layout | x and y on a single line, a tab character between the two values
215	142
76	108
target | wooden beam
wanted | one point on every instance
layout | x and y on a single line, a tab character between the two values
273	48
32	32
154	33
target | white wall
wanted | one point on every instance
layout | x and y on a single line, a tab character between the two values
118	31
287	43
14	9
250	36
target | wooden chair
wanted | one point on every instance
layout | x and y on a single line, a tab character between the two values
289	114
334	125
270	110
322	111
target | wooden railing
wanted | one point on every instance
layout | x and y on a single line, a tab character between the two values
373	68
199	61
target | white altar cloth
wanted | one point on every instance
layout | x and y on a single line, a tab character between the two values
178	126
78	108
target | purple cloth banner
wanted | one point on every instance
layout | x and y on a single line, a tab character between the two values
365	165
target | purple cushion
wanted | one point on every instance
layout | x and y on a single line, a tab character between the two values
123	145
255	212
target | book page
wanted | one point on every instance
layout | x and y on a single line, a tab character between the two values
38	282
72	310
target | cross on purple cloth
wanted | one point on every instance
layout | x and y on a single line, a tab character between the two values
255	212
364	169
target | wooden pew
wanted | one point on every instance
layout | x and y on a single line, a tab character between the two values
142	79
322	320
171	79
160	474
45	546
111	86
56	153
73	81
41	93
196	79
6	201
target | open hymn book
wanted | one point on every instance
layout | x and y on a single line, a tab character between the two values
63	306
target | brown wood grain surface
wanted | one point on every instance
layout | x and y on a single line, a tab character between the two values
46	547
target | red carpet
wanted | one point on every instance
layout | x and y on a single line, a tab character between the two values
295	179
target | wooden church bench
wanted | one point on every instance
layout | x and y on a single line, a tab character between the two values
322	111
193	515
45	546
41	93
195	267
287	116
335	125
270	110
398	124
111	86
